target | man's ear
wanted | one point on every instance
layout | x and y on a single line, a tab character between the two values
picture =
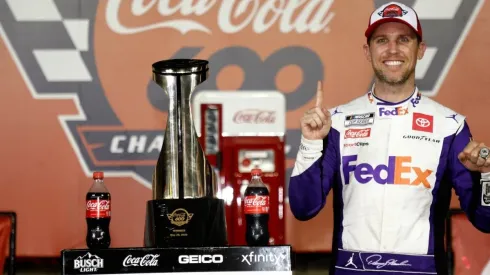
421	50
367	52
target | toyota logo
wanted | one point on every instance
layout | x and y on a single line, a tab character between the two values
422	122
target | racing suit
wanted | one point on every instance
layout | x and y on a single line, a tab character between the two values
391	167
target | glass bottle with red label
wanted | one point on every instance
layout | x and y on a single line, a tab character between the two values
256	209
98	214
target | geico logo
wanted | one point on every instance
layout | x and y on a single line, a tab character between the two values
200	259
393	173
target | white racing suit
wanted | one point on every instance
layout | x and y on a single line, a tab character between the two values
391	167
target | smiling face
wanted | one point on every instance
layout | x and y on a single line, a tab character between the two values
393	51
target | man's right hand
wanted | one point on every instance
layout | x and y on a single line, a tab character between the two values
316	122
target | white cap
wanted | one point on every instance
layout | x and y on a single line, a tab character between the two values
394	12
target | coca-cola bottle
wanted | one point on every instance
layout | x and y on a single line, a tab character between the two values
98	214
256	208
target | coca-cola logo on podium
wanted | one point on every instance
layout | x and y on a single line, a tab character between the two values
358	133
254	116
147	260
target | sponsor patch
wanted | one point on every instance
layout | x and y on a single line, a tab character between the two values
423	122
422	138
398	171
359	119
416	100
485	192
357	133
389	112
356	144
392	10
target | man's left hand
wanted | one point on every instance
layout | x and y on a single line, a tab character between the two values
475	157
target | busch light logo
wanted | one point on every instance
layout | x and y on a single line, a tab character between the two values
394	173
88	263
397	111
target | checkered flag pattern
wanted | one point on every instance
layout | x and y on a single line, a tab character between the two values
57	64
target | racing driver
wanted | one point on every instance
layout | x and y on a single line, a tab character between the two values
391	158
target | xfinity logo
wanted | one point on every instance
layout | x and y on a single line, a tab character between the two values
88	263
260	258
201	259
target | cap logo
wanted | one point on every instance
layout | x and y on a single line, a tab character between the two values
392	10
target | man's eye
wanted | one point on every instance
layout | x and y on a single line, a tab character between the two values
404	39
381	40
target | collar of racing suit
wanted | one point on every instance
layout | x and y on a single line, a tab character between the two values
400	107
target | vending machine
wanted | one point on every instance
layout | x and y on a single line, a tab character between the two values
239	131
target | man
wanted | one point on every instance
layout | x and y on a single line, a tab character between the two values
391	158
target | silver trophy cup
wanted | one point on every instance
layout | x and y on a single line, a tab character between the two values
184	210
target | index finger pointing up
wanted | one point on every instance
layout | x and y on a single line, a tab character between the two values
319	94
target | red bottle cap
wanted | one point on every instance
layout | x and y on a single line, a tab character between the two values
256	172
98	175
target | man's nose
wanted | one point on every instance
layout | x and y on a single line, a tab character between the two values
393	46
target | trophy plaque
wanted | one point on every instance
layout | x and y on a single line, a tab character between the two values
184	210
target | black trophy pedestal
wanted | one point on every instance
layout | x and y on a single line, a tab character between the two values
185	223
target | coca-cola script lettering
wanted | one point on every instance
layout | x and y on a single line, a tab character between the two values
98	209
300	16
147	260
256	205
357	133
254	116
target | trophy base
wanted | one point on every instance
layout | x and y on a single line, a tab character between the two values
185	223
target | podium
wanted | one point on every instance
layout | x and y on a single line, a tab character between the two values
193	260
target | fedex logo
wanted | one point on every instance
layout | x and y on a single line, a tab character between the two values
397	171
398	111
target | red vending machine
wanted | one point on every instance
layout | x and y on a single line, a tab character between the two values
240	131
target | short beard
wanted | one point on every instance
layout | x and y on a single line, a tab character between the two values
382	77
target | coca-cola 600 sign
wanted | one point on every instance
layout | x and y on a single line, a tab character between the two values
264	45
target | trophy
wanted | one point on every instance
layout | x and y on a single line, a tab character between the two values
184	210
